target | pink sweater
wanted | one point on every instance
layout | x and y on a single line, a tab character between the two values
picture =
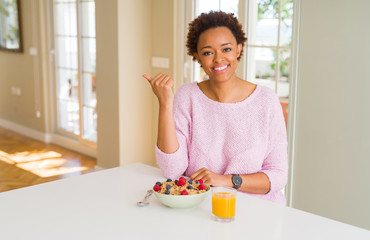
229	138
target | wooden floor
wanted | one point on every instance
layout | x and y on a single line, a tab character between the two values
25	161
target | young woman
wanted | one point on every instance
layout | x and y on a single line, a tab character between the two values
227	131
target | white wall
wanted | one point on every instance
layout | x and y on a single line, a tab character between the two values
135	96
107	83
332	149
125	102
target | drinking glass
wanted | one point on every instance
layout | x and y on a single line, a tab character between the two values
223	204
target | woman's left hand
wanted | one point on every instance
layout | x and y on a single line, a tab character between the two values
212	178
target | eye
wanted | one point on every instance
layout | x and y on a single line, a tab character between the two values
227	49
207	53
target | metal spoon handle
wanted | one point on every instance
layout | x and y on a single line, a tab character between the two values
148	194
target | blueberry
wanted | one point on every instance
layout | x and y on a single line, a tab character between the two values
176	181
190	187
197	182
167	192
191	181
168	187
158	183
169	180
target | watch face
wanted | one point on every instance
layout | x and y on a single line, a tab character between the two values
237	180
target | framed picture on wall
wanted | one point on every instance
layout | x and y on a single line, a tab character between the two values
10	26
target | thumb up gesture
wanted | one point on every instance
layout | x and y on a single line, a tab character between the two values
162	88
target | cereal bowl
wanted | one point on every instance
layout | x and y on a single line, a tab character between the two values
182	201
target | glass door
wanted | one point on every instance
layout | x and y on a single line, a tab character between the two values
75	62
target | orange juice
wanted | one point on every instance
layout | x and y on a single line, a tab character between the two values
223	204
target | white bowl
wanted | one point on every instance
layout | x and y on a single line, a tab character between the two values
182	201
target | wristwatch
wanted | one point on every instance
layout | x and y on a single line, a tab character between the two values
237	181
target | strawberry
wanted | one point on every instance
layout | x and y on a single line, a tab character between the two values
157	188
184	192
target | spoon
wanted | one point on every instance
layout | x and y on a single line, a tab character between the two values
145	201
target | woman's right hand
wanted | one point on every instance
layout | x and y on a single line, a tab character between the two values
162	88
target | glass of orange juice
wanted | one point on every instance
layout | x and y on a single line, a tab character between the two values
223	204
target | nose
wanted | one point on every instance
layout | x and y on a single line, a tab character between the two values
218	57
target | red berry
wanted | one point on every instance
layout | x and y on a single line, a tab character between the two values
200	181
157	188
181	178
202	187
181	182
184	192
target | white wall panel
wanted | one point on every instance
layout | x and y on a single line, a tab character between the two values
332	148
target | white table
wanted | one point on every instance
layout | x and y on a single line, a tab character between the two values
102	205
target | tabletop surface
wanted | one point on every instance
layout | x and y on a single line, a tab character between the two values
102	205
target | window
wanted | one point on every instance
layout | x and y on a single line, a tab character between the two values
75	58
268	51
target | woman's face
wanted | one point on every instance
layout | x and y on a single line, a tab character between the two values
218	52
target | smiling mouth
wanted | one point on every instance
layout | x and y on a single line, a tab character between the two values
221	69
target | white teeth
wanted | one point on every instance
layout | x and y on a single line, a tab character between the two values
221	68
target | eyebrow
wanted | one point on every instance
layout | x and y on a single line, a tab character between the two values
224	44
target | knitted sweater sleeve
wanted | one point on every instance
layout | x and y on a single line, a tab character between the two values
275	164
173	165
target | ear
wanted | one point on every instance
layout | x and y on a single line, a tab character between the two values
197	57
239	49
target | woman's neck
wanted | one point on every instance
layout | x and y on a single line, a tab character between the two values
233	91
222	91
225	92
